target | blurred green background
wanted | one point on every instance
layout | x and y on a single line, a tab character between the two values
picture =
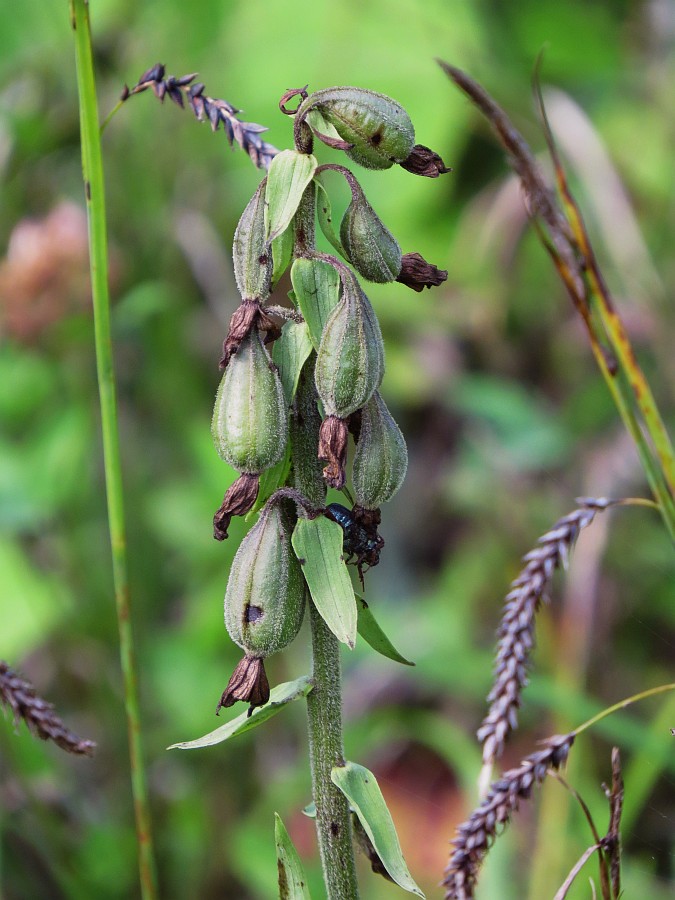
489	376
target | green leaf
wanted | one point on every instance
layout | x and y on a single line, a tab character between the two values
288	176
309	810
371	632
317	121
318	546
361	789
325	216
292	880
280	696
271	479
316	285
282	250
289	354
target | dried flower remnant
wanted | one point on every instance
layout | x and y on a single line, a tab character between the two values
218	112
333	438
248	683
20	697
516	634
239	499
417	273
248	315
423	161
476	835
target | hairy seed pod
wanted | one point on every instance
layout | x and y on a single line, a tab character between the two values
350	361
265	597
252	256
371	248
381	457
378	128
250	417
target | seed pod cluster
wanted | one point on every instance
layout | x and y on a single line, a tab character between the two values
250	417
332	368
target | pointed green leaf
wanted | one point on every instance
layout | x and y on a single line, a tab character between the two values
289	174
365	797
292	880
280	696
290	353
371	632
282	250
316	285
271	479
324	214
318	546
321	124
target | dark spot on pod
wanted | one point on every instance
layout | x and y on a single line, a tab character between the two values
334	828
263	259
377	137
254	613
302	561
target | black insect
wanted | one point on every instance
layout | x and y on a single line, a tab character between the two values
361	539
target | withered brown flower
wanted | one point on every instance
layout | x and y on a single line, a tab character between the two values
417	273
248	683
238	500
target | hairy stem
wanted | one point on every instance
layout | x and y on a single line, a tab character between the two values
324	714
92	166
324	703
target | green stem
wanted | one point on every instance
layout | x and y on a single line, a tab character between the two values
92	167
324	716
622	704
621	346
324	703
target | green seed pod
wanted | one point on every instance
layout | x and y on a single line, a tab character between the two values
251	255
265	597
250	417
370	247
350	361
381	457
378	127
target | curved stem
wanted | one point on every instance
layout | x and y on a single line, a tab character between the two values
622	704
92	166
349	177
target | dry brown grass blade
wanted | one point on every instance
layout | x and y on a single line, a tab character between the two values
612	841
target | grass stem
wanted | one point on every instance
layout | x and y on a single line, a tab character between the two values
92	167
